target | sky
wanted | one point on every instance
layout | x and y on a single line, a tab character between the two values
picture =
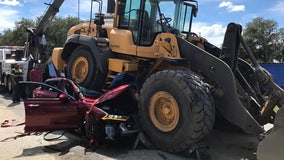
211	21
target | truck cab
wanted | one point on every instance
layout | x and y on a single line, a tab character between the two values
10	56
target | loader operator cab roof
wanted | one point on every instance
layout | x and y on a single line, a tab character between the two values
150	17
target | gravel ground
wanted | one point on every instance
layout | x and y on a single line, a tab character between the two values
223	145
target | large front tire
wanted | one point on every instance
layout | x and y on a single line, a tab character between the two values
175	110
83	69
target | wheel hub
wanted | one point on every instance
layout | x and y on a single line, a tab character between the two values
80	69
164	111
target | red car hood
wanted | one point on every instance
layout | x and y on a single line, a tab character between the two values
108	95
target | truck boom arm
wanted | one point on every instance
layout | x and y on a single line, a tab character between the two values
36	36
48	16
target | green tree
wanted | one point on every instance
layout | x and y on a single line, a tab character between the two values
279	55
17	36
281	34
20	32
6	37
263	38
56	32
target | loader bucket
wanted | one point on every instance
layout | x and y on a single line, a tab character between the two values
271	147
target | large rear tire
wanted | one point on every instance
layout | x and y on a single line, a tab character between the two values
83	69
175	110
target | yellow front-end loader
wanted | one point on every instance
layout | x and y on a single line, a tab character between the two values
184	81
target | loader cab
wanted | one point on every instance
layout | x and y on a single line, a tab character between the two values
141	24
147	18
140	17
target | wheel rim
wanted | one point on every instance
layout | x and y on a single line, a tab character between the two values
80	69
164	111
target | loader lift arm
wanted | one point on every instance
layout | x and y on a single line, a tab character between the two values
258	90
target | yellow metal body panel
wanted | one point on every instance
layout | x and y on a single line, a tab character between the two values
165	45
121	41
58	62
90	30
84	29
199	40
120	65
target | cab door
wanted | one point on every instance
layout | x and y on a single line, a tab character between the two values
47	114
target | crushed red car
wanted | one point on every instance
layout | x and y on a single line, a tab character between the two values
60	104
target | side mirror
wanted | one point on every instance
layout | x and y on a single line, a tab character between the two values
63	97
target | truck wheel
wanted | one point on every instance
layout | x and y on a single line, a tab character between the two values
1	77
175	110
9	85
82	68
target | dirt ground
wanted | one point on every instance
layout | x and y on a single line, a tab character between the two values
223	145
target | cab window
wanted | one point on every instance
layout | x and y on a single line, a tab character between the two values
130	18
150	26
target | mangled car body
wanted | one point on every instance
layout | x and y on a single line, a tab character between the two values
58	104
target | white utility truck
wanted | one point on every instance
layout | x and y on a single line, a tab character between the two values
10	56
